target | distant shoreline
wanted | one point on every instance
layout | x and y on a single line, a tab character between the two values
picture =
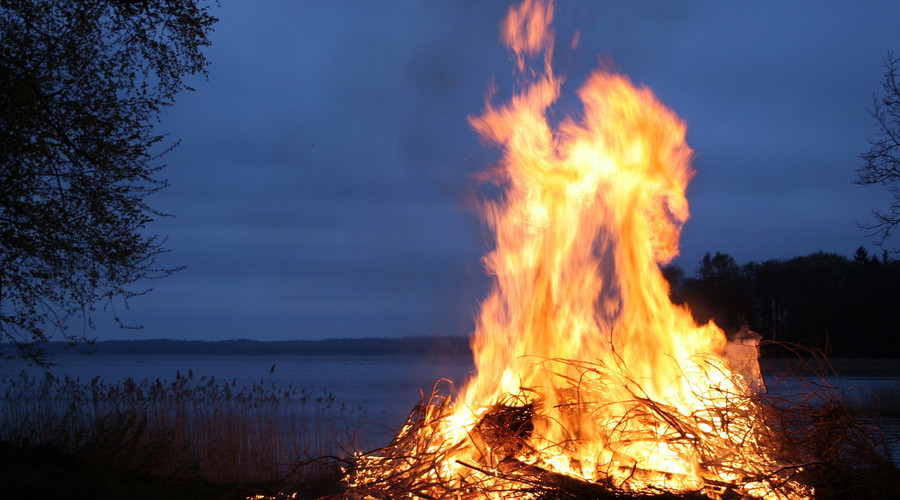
417	346
444	346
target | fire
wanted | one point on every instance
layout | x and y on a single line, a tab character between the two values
585	370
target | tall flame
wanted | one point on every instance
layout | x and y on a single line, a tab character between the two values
579	317
583	364
591	210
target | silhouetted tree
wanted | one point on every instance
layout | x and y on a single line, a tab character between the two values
675	276
82	84
717	292
847	307
861	255
882	159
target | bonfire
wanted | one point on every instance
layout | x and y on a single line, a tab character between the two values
589	381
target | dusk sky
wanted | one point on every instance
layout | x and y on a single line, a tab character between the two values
320	187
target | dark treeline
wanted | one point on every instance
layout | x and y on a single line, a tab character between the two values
847	307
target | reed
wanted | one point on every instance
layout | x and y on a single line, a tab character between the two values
206	428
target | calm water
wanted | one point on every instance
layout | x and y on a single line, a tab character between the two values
384	388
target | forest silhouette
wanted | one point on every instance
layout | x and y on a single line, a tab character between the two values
822	302
843	307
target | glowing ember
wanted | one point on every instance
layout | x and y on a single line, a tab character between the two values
587	375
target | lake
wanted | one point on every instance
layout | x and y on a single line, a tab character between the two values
383	389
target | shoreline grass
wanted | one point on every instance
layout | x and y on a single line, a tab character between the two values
206	436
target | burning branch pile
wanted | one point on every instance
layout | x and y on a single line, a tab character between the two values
590	383
733	448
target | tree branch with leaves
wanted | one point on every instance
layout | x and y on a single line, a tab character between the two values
82	87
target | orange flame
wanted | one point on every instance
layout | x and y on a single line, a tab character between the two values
526	30
584	366
579	315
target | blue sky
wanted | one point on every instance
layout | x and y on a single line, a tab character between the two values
319	188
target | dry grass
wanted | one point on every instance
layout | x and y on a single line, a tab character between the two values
185	428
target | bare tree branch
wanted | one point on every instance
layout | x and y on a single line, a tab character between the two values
881	162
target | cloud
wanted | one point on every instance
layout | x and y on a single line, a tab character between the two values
318	187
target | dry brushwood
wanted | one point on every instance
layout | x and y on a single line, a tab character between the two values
781	447
405	474
848	457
